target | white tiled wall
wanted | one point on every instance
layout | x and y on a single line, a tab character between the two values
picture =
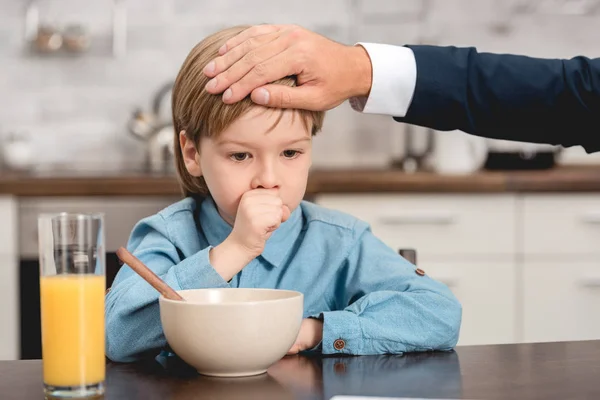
76	109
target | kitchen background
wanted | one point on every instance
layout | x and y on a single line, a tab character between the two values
80	129
74	109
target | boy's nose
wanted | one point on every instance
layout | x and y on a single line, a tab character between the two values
266	178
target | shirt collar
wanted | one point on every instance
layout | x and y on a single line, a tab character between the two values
277	248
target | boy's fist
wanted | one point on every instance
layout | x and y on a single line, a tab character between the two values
259	213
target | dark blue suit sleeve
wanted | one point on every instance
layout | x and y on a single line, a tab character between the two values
507	96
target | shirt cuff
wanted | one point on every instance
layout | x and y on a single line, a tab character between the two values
393	81
319	346
341	333
196	272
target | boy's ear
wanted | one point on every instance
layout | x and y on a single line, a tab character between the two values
190	155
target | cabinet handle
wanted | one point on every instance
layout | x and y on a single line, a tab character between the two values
591	218
590	282
416	218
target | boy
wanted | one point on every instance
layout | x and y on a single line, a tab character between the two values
244	169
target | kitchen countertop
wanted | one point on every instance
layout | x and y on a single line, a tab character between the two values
561	370
562	179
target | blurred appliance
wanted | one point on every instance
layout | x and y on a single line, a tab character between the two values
155	129
412	159
458	153
507	155
17	151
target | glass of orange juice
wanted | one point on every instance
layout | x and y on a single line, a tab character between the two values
72	287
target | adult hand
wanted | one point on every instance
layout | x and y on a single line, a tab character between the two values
327	72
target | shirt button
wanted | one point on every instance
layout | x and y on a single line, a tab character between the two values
420	272
339	344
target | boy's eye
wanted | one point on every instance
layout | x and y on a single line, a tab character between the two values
239	156
290	153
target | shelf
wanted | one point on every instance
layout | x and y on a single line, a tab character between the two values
51	41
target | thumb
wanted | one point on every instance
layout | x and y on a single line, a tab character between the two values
295	349
301	97
286	213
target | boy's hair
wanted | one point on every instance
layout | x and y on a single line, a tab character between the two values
201	114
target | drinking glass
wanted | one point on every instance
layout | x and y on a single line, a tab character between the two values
72	287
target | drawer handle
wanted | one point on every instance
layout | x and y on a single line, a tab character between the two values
590	282
418	219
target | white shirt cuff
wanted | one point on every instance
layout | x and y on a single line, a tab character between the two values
393	81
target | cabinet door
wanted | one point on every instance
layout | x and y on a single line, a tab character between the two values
9	312
436	225
8	225
561	301
487	292
9	283
567	225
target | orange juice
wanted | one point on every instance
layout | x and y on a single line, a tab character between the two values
73	329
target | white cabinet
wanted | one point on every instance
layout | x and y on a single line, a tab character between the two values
561	268
436	225
466	241
561	301
488	294
9	280
526	267
567	226
8	225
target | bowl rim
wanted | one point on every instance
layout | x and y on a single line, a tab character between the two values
296	294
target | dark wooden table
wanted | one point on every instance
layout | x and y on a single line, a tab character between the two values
564	370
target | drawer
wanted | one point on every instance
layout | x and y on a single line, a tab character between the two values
561	224
442	225
120	216
8	227
487	292
561	301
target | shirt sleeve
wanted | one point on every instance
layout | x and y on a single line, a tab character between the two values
507	96
394	78
389	306
133	326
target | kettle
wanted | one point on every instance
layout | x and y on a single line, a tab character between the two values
509	155
458	153
155	130
161	151
144	123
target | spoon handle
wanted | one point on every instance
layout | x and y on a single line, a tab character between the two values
135	264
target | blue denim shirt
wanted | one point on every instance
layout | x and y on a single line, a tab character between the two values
366	294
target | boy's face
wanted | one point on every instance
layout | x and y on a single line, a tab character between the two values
250	155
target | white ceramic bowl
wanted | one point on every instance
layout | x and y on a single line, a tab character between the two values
232	332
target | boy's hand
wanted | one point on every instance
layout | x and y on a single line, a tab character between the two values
259	213
311	333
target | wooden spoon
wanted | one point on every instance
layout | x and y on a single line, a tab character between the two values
135	264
